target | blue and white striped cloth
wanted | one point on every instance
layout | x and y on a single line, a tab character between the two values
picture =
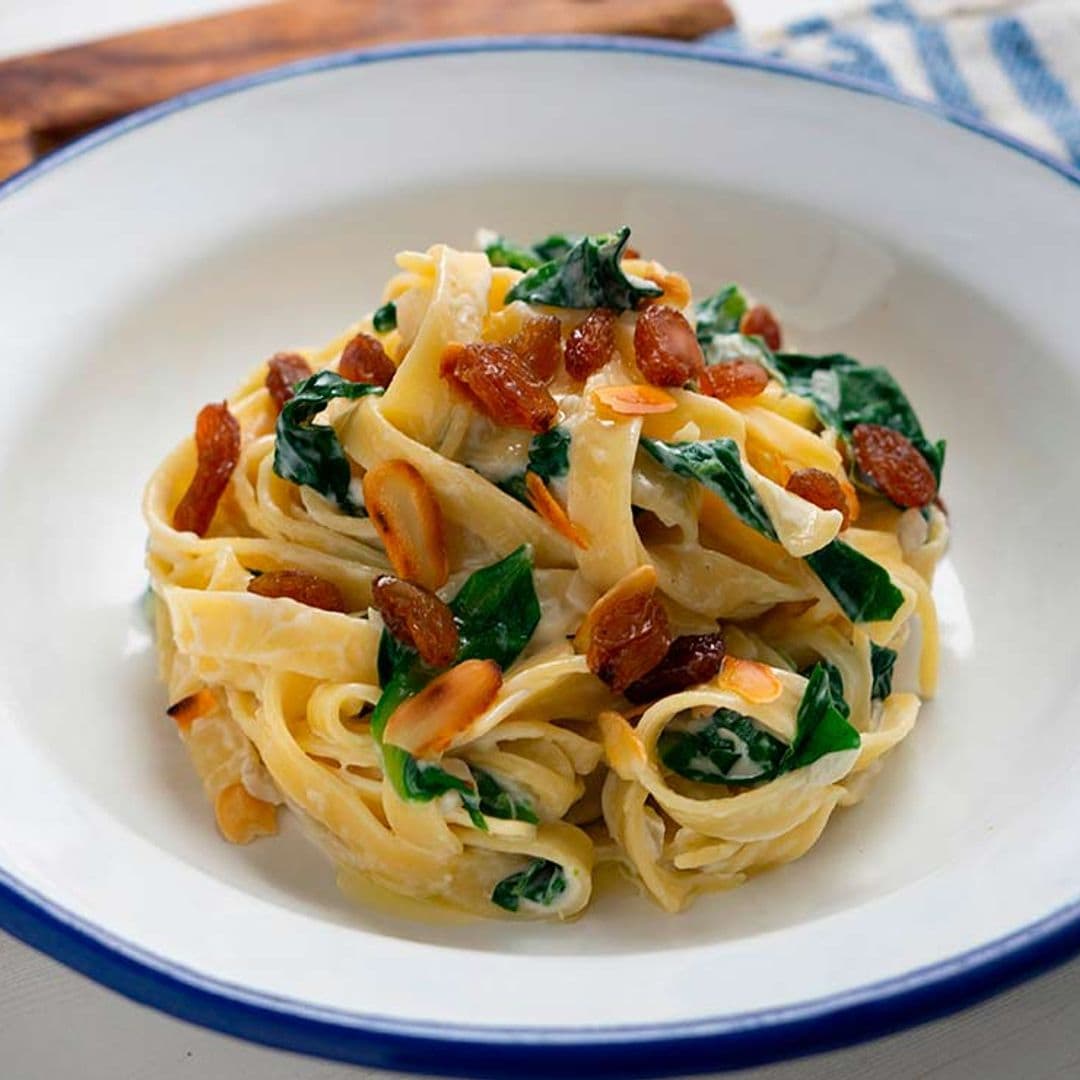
1011	63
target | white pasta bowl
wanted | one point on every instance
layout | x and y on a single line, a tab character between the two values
145	270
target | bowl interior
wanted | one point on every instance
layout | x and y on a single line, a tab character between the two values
135	289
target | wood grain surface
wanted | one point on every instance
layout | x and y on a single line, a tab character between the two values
48	98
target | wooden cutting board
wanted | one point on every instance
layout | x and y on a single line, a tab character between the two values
49	98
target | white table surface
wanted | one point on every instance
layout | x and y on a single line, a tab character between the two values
55	1024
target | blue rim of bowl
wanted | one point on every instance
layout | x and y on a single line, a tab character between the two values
680	1047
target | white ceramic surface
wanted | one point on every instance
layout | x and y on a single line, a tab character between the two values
146	276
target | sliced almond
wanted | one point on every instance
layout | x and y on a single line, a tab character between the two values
187	710
640	581
675	285
750	680
549	508
407	517
426	724
634	399
624	750
243	818
852	498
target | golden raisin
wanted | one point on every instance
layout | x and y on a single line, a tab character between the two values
822	489
417	618
539	346
496	381
630	639
217	444
692	659
364	360
893	463
666	349
300	586
625	634
760	322
591	344
283	372
736	379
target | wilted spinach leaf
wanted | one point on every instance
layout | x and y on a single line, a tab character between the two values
496	611
731	748
549	458
863	588
882	662
728	749
846	394
385	318
503	252
719	314
542	881
496	801
716	464
836	685
821	725
308	453
587	275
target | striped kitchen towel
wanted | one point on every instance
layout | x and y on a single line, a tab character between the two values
1011	63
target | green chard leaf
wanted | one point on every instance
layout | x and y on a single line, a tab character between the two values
385	318
496	611
846	394
863	588
882	662
728	748
542	882
716	464
587	275
719	314
497	802
821	725
549	458
310	454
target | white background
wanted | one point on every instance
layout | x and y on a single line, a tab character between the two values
55	1024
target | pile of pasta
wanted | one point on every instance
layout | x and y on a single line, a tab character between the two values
541	565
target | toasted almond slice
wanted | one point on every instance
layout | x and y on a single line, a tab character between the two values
749	680
641	580
675	285
852	498
634	399
549	508
241	817
407	517
624	750
426	724
187	710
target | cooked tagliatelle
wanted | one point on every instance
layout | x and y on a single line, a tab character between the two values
542	565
